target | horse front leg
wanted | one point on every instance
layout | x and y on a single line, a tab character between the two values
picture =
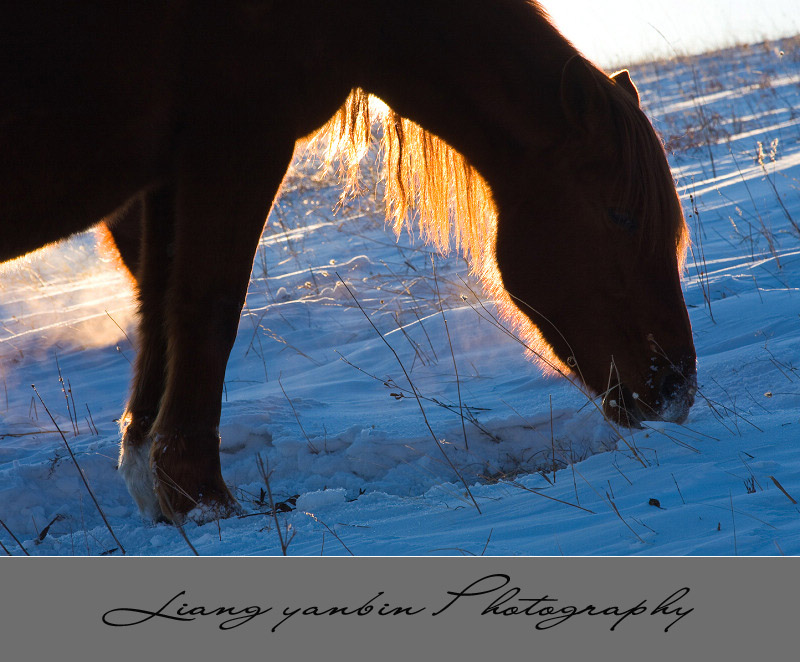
225	186
153	220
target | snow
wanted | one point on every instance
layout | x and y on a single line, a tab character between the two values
314	393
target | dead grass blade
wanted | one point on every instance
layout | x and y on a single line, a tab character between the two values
16	540
80	471
265	474
780	487
416	395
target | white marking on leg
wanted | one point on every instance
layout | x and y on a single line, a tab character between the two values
134	466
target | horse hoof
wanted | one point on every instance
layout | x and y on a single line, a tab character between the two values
206	512
200	511
188	479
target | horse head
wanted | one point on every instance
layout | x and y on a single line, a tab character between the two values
603	203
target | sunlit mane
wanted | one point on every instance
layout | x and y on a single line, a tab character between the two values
427	180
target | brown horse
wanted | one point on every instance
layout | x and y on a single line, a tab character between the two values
177	119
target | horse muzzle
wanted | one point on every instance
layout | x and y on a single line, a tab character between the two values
674	396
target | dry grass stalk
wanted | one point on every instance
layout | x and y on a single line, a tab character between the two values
80	471
330	530
171	512
781	488
416	395
265	474
546	496
16	540
311	446
452	354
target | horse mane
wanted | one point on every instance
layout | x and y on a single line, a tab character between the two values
425	178
428	180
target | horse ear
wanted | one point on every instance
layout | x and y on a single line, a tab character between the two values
623	79
583	99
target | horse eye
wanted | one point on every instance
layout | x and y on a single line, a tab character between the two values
623	219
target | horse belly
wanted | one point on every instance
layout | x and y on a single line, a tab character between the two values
58	180
85	113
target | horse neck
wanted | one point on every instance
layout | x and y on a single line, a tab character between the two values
483	75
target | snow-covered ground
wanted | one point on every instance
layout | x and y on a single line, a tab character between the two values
314	392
